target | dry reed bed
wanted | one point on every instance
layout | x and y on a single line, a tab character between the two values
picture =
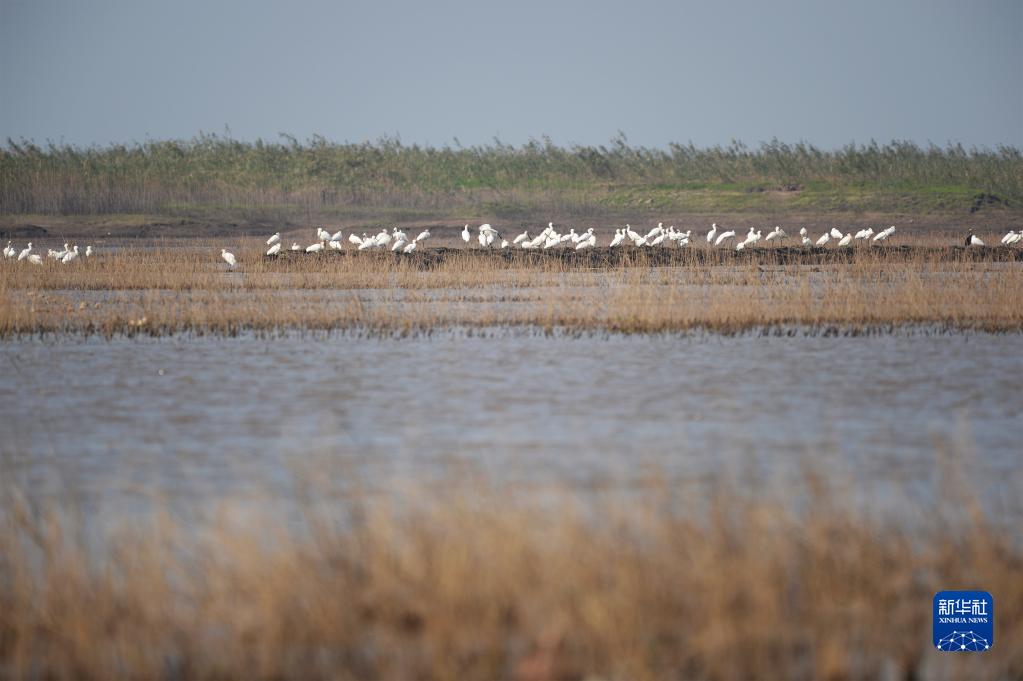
165	291
473	582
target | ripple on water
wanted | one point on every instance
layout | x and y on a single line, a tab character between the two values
201	414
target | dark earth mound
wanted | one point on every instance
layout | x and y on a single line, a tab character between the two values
23	232
604	258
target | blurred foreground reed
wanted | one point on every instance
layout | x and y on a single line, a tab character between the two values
471	582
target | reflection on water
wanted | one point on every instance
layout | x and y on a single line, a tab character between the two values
196	415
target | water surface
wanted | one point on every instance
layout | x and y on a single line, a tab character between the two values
196	416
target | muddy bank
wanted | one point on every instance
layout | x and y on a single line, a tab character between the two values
300	226
668	256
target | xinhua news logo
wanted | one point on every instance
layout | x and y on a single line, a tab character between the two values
964	621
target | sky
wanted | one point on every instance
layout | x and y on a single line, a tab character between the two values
828	73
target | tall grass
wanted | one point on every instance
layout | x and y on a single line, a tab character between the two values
469	581
210	170
167	291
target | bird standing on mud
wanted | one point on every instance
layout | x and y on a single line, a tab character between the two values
228	257
466	234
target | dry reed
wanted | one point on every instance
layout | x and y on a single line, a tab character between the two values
170	290
469	581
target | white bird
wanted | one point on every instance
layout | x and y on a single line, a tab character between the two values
228	257
521	237
274	239
724	236
35	259
823	240
865	233
88	251
777	233
423	236
973	240
335	245
336	236
846	240
1016	239
466	234
70	255
835	234
314	248
504	243
411	247
273	250
805	240
659	239
884	234
488	235
354	238
482	238
740	246
25	253
367	243
9	250
632	234
713	231
322	234
295	246
654	232
619	237
1009	238
802	231
399	244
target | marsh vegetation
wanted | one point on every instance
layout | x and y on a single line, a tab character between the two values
292	180
164	290
471	581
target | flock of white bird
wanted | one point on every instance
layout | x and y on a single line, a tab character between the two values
66	255
488	237
548	238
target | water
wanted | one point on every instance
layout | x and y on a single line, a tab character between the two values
200	416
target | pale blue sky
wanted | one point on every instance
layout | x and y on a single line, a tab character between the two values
825	72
